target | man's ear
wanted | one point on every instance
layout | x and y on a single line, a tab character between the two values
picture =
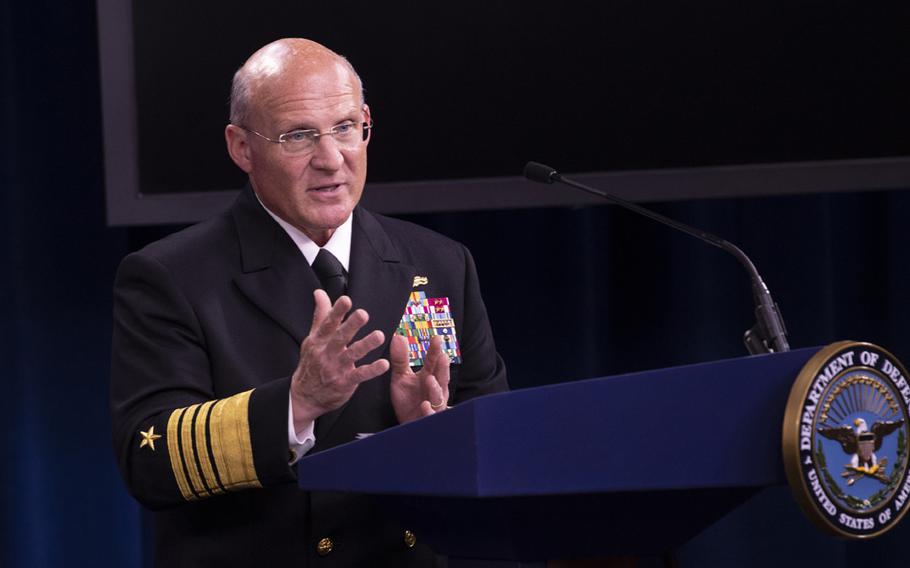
369	120
238	147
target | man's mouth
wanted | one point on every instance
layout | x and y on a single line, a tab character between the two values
329	188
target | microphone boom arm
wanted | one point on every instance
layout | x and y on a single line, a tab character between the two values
768	335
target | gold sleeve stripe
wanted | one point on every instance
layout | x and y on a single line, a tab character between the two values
189	457
208	444
203	450
229	426
196	464
210	448
173	447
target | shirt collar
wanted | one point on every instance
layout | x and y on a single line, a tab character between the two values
339	243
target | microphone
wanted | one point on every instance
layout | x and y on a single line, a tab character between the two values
768	335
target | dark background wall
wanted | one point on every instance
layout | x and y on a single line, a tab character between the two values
590	86
572	293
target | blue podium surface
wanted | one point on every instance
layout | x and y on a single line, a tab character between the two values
631	464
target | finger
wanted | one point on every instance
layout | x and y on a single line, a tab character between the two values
329	325
367	372
434	353
322	307
433	393
438	363
442	374
348	329
426	409
442	380
441	364
398	355
359	349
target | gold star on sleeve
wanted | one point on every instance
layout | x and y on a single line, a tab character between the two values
148	438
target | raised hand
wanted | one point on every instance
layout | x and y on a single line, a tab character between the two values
327	373
423	393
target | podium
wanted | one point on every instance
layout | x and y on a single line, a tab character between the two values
630	464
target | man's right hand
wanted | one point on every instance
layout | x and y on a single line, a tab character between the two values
326	375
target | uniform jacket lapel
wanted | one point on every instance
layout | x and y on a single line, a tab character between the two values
274	274
380	281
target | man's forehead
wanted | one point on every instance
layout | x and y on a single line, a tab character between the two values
292	110
337	93
325	85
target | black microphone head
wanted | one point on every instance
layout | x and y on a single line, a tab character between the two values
539	172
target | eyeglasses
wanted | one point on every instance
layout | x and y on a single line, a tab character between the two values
302	141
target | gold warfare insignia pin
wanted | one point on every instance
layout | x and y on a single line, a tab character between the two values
845	440
148	438
420	281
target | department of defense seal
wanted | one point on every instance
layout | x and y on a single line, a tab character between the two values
845	439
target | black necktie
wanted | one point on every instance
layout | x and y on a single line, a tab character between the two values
331	274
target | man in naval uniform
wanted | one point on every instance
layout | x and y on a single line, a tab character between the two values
249	340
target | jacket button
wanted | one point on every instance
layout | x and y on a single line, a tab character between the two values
324	546
409	539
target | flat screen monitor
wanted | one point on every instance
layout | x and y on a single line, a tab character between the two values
653	100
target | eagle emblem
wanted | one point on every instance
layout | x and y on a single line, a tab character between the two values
861	443
846	439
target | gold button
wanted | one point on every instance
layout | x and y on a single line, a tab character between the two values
409	539
324	546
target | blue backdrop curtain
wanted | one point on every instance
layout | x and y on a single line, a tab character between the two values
62	500
572	293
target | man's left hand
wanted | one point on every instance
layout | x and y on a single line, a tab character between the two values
425	392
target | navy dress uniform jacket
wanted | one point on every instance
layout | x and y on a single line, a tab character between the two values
207	330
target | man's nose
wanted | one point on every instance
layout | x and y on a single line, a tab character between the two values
327	154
